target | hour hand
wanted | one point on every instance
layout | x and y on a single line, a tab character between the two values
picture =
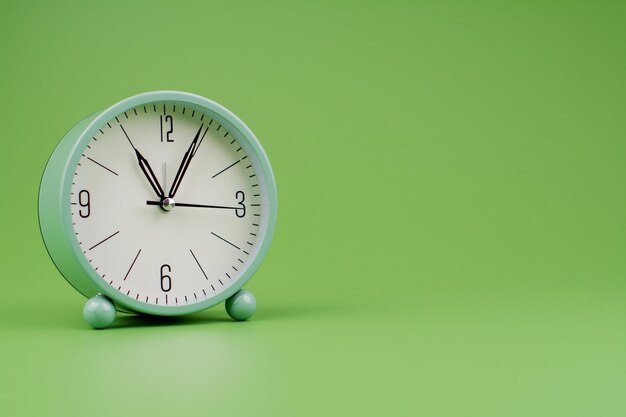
152	179
145	168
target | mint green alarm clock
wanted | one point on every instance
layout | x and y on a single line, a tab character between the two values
164	204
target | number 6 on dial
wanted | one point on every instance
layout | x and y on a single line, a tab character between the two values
164	203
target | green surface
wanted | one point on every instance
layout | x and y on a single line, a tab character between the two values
452	220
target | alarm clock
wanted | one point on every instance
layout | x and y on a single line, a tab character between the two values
163	204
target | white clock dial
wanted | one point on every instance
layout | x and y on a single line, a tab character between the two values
121	193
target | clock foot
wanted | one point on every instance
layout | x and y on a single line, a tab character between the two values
99	312
241	305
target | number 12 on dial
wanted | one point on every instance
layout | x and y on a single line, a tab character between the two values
164	203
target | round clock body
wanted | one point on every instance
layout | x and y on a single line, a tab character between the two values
164	203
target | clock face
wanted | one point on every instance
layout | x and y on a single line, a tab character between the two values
167	204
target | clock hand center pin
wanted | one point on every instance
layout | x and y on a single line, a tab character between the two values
168	204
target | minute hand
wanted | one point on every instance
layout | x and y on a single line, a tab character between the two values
158	203
184	164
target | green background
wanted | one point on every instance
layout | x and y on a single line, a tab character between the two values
451	229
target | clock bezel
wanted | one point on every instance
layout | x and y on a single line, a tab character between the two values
55	208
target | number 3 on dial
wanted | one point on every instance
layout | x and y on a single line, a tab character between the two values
241	210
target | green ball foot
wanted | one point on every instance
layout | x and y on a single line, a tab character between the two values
241	305
99	312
